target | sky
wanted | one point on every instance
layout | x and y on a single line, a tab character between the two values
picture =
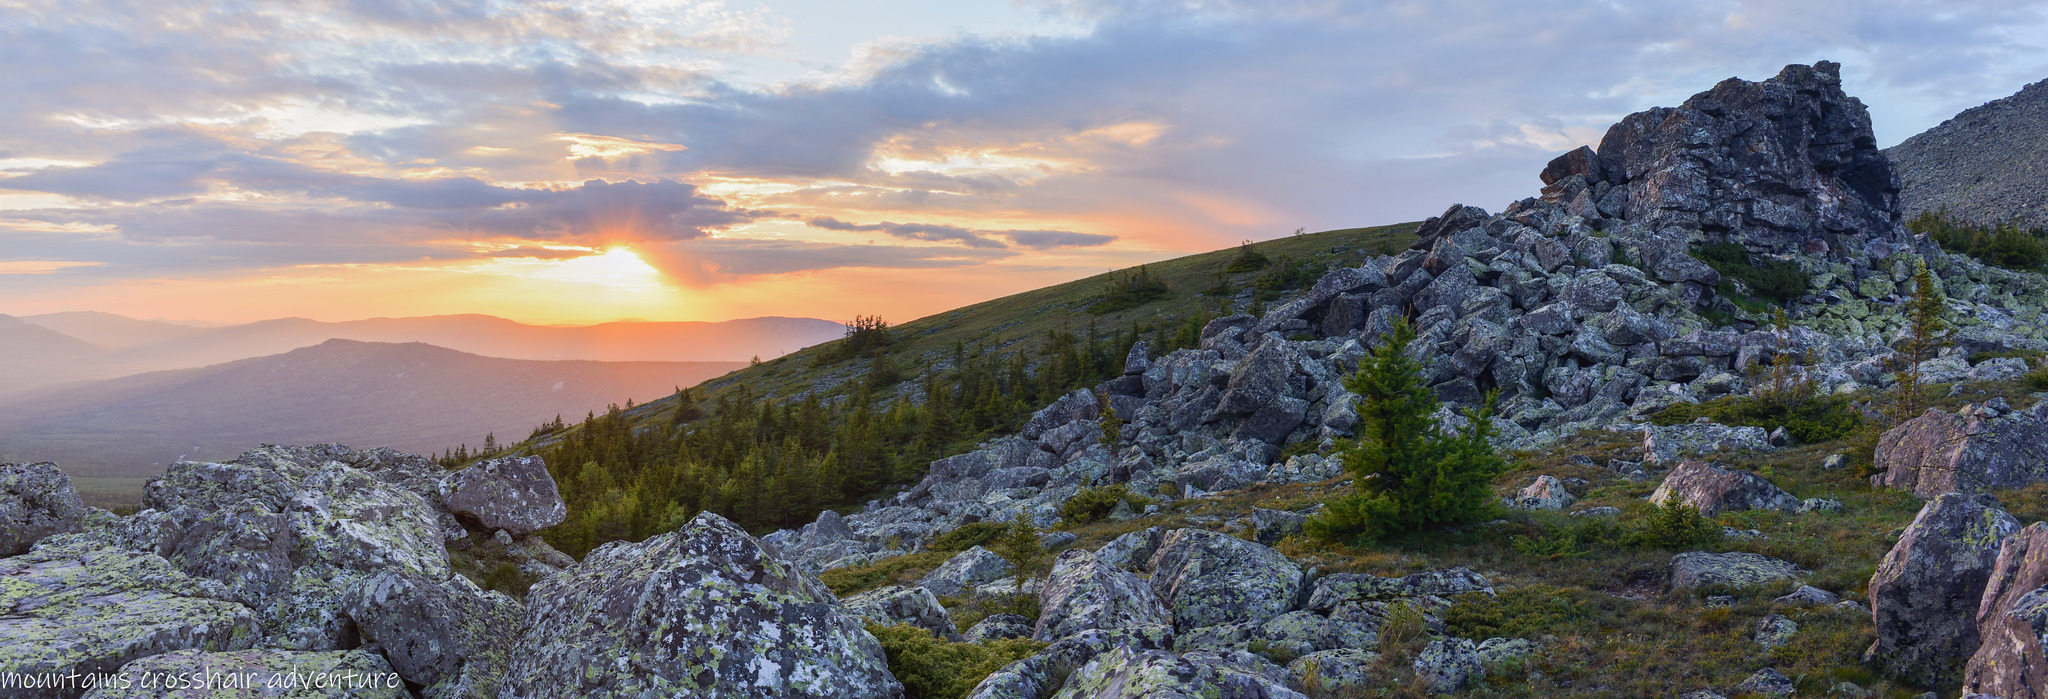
584	161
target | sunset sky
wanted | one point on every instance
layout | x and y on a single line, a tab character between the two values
592	160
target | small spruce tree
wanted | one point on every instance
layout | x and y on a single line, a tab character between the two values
1924	338
1407	473
1112	427
1019	545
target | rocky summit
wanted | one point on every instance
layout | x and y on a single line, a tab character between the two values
1627	292
1985	165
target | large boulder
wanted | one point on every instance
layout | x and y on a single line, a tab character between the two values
1714	490
1941	452
1208	578
36	500
1039	676
896	604
73	607
1697	569
1123	673
1085	592
700	611
515	494
448	636
269	673
1544	493
2011	661
1332	594
1925	595
966	571
1667	444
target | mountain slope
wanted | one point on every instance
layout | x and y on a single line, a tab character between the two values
415	397
113	332
1987	165
32	355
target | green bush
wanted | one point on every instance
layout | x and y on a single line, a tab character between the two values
933	668
1673	526
1574	540
1247	260
1778	280
2004	245
1092	504
2037	379
966	536
1129	291
1407	473
1521	612
1810	419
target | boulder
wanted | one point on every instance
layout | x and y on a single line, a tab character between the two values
1339	672
1714	490
700	611
36	500
1448	666
1132	551
279	674
1207	578
1333	593
1697	569
965	571
1664	445
895	604
1775	631
1544	493
1941	452
1925	595
1039	676
1808	596
1085	592
446	635
1300	633
998	626
75	607
1274	525
2011	662
1767	682
514	494
1125	672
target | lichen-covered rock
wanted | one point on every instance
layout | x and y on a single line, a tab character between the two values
273	674
246	546
36	500
967	570
515	494
1767	682
1208	578
1274	525
1336	672
1667	444
1544	493
73	607
1332	593
1697	569
895	604
997	627
1300	633
701	611
1039	676
1925	595
1132	551
1714	490
1808	596
1448	665
2011	662
1084	592
1775	630
1941	452
448	636
1496	655
1125	673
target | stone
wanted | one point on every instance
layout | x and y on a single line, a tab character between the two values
448	636
1543	493
1132	551
343	674
1128	672
1448	666
1497	655
1767	682
700	611
967	570
997	627
1578	162
76	607
1695	570
1664	445
1775	631
895	604
1714	490
1300	633
1926	592
1207	578
36	501
2011	662
1808	596
1602	511
1834	462
1085	593
514	494
1940	452
1338	672
246	547
1331	593
1274	525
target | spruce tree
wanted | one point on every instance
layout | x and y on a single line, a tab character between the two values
1924	328
1019	545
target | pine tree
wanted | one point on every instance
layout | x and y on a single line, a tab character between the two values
1019	544
1112	427
1407	473
1924	337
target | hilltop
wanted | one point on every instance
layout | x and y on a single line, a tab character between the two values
1987	165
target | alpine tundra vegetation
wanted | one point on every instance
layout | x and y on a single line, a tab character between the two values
1708	418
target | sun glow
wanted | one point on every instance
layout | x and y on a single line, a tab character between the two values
617	268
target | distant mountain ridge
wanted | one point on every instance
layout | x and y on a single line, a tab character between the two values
1987	165
412	396
108	346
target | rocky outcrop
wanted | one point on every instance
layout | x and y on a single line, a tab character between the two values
514	494
1125	672
998	626
282	674
1927	591
36	500
703	611
1544	493
966	571
1695	570
1714	490
75	607
1983	165
1448	666
2011	661
448	636
895	604
1941	452
1086	593
1667	445
1206	579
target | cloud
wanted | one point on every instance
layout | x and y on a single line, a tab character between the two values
716	260
541	253
911	231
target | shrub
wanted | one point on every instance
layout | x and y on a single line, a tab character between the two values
1092	504
505	577
1673	526
1129	291
1779	280
1407	473
895	569
1809	419
1574	540
1520	612
1286	275
1247	260
2037	379
1019	544
933	668
966	536
2005	245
